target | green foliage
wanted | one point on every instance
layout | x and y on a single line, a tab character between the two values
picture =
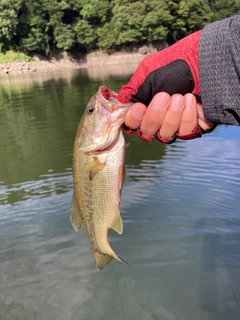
11	56
157	20
8	22
85	34
125	26
188	16
96	11
195	13
107	36
43	26
224	8
33	27
64	36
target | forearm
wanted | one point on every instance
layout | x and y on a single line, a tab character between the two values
219	67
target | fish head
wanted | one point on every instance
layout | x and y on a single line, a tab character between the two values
101	121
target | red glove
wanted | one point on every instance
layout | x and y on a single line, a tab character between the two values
172	70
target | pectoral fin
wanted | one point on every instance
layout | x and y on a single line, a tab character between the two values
75	215
94	167
122	174
117	224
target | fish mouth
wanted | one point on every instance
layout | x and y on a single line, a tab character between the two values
108	99
109	107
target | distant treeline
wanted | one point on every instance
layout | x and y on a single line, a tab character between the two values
46	25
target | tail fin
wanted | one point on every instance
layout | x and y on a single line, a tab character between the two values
102	259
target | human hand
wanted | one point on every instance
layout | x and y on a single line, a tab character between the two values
172	70
169	72
168	117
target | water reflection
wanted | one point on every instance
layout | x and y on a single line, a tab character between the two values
101	73
180	208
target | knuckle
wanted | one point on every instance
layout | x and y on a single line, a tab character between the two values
150	120
171	123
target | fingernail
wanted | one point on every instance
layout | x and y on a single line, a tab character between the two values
177	102
190	100
160	101
138	111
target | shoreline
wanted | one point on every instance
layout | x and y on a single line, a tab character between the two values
69	63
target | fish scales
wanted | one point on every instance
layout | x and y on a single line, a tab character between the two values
98	170
97	195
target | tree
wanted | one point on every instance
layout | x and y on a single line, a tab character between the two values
96	11
64	36
157	20
125	26
94	14
189	16
86	36
224	8
46	25
8	22
107	36
33	28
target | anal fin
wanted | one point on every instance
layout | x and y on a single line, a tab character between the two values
117	224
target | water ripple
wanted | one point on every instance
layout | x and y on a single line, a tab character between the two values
180	214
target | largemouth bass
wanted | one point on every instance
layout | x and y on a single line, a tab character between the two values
98	172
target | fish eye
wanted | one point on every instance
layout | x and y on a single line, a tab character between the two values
90	110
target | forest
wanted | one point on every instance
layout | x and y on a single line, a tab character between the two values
45	26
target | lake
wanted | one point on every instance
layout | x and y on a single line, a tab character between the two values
180	208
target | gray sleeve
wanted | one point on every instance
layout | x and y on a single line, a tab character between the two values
219	68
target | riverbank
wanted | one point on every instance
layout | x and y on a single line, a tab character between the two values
66	61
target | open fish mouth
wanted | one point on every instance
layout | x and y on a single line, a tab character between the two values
110	114
108	99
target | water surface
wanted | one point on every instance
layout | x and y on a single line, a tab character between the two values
180	208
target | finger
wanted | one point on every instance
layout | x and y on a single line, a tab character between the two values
202	121
189	116
206	126
172	119
135	115
155	113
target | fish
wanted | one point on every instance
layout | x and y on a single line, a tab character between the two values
98	173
